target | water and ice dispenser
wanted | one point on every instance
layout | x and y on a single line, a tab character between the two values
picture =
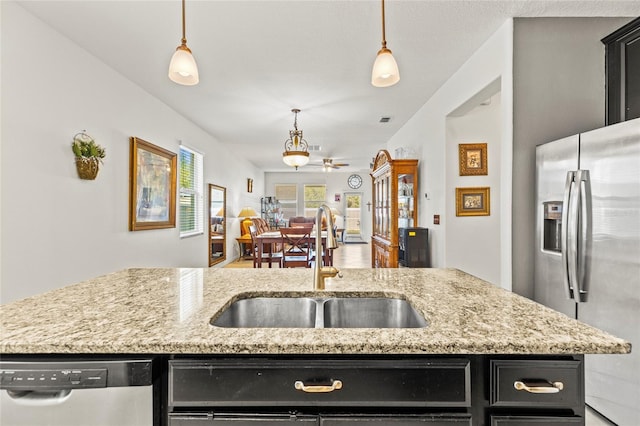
552	228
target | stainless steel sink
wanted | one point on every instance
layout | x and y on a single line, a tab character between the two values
279	312
370	312
320	312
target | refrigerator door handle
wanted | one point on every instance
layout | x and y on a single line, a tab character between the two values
565	236
584	237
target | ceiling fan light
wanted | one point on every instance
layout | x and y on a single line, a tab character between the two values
385	69
183	69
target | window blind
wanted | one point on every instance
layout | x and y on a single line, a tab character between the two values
288	198
191	192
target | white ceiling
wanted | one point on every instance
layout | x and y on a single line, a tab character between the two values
259	59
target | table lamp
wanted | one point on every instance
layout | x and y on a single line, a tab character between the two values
247	213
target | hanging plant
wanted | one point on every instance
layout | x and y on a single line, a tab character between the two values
88	154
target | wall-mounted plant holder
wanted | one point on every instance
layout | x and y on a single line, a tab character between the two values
88	154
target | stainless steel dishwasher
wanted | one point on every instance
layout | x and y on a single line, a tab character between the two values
95	392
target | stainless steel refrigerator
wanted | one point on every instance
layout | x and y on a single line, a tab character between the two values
587	262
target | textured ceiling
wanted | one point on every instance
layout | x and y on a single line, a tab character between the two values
259	59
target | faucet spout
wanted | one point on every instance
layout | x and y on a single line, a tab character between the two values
320	272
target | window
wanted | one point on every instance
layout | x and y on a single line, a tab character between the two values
191	197
287	195
314	197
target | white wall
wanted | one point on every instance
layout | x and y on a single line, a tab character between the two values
426	133
336	182
473	242
56	228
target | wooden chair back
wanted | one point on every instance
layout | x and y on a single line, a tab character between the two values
297	247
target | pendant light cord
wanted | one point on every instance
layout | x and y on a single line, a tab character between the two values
184	36
384	37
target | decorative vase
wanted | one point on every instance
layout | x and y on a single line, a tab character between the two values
87	167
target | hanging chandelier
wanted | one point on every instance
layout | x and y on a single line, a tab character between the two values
385	71
296	152
183	69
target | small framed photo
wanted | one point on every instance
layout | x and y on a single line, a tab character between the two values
249	185
473	201
152	186
472	158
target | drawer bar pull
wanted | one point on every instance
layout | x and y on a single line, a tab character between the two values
539	386
335	385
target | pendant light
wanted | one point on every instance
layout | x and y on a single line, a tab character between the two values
296	152
385	69
183	69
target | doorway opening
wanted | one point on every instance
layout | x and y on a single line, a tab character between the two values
353	218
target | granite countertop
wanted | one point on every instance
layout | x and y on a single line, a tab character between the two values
168	311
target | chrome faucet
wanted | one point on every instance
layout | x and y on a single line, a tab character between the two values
321	272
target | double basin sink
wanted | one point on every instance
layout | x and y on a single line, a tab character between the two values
320	312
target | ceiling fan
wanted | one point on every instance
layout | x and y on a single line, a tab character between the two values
328	164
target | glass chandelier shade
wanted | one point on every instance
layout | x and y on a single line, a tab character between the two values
296	152
385	71
183	69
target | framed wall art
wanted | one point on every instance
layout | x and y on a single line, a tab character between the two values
473	201
152	186
472	158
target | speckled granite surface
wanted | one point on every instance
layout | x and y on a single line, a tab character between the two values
169	311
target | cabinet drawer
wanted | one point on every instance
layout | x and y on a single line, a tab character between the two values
529	383
535	421
398	420
204	419
295	383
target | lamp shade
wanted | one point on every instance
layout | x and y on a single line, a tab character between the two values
247	212
385	69
183	69
295	158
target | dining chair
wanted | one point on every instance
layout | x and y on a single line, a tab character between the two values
270	254
297	247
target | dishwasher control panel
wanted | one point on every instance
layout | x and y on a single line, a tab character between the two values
53	379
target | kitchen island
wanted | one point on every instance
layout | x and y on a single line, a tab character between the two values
479	333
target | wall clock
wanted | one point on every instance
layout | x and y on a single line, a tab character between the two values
354	181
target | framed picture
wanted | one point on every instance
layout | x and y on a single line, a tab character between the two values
472	158
152	186
249	185
473	201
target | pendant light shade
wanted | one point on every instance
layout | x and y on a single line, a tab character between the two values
183	69
385	71
296	152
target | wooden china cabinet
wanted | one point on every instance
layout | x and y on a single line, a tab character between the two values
395	205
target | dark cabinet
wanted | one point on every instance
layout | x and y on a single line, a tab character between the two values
397	420
622	53
203	419
375	390
326	383
195	419
535	421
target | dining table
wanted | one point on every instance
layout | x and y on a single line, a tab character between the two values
274	237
